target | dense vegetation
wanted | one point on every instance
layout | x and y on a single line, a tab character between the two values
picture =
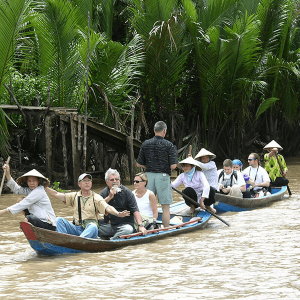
223	74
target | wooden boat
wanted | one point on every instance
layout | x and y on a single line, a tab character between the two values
226	203
48	242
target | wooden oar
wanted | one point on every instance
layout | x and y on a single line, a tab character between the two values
197	204
281	171
2	182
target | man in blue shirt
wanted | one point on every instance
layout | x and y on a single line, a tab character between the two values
158	156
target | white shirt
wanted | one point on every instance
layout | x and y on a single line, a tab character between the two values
259	174
210	171
37	202
144	204
227	179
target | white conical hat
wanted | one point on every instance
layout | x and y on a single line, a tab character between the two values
273	144
190	161
204	152
45	182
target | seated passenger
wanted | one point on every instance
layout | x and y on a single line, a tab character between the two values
275	165
36	205
238	166
259	177
197	186
145	199
86	207
120	197
208	167
231	182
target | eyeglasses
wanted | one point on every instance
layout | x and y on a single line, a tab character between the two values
87	180
137	181
249	159
114	179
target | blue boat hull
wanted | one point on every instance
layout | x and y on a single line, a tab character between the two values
226	203
46	242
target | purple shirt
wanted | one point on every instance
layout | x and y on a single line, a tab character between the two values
199	183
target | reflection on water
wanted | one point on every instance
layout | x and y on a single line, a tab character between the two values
257	257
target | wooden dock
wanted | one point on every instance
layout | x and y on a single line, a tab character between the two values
73	123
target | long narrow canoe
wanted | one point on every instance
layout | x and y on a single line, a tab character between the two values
226	203
46	242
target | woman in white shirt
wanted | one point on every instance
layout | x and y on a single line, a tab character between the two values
145	199
36	205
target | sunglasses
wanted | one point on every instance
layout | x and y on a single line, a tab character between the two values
137	181
249	159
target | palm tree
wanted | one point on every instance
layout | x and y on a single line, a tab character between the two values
13	16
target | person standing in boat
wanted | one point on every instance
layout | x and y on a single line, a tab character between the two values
158	156
145	199
36	205
196	185
259	178
86	207
121	198
205	161
231	182
275	165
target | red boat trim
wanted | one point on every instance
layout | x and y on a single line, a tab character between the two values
26	227
161	229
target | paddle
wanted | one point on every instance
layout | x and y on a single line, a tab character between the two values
281	171
197	204
2	182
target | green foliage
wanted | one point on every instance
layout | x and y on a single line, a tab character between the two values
56	185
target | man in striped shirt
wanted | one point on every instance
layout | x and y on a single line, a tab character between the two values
158	156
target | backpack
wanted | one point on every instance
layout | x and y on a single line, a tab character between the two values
234	173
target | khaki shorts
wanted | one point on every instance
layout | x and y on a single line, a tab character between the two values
160	185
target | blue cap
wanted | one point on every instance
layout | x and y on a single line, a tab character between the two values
237	162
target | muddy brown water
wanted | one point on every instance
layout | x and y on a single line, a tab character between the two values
257	257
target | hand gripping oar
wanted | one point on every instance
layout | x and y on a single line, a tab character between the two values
281	171
197	204
2	182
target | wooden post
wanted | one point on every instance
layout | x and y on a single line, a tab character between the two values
75	152
79	120
48	133
114	161
63	130
129	144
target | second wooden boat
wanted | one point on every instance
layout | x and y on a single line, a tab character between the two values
226	203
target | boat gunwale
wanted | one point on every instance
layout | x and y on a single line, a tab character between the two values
250	202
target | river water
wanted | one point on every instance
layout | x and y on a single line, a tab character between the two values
257	257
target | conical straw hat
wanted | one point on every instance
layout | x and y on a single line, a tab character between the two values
190	161
45	181
204	152
273	144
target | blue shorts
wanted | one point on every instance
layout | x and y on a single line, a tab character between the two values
160	185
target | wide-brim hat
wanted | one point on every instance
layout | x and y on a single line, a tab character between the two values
190	161
204	152
272	145
23	179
